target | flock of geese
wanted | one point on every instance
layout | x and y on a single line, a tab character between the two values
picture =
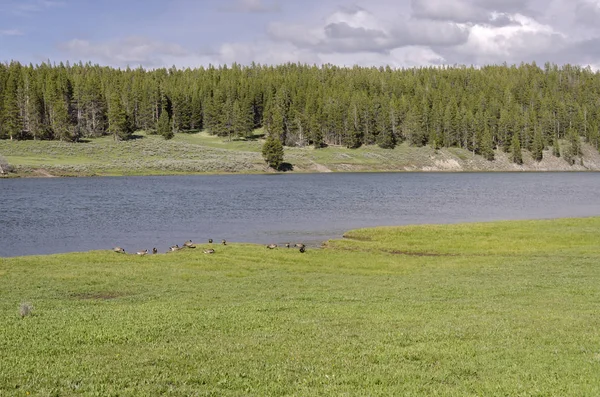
189	244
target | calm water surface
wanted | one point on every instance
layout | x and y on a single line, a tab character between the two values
42	216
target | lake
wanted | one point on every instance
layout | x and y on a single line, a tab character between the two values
43	216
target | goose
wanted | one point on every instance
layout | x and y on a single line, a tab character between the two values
271	246
209	251
224	242
154	250
287	245
142	253
175	248
189	244
119	250
299	245
210	240
302	250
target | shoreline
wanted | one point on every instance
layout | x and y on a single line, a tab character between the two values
43	173
345	236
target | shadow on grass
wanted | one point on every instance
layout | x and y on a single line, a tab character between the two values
285	167
252	137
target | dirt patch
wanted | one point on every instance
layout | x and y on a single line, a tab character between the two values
44	173
97	295
321	167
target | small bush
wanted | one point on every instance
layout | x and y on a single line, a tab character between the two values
5	168
25	309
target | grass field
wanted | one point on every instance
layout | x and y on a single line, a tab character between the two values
190	153
491	309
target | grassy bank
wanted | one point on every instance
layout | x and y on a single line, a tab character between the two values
203	153
508	308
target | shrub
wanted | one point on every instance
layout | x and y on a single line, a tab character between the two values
5	168
25	309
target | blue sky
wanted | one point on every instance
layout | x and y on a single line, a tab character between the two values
399	33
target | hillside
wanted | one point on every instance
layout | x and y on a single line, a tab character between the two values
200	152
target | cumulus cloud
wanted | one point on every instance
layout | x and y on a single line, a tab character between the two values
523	40
251	6
127	51
358	30
383	32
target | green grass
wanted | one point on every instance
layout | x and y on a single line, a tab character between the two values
200	152
491	309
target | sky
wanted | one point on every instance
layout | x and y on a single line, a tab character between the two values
398	33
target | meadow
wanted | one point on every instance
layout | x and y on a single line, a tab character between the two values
494	309
202	153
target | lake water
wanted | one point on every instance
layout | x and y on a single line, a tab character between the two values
42	216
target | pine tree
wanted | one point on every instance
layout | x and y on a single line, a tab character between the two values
486	146
61	123
11	121
353	136
515	150
276	126
272	152
556	148
574	141
163	126
386	139
537	148
118	122
243	119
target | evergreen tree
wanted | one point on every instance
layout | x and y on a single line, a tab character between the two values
12	124
163	126
61	123
515	150
272	152
487	145
386	139
537	149
118	122
574	141
243	119
556	148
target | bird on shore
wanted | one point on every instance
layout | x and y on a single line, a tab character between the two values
175	248
210	240
224	242
119	250
189	244
271	246
142	253
154	250
302	250
299	245
209	251
287	245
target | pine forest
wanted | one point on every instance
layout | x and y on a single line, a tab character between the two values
480	109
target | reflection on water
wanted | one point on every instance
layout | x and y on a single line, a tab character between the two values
40	216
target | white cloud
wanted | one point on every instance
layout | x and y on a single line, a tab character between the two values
524	40
128	51
11	32
27	7
357	30
384	32
251	6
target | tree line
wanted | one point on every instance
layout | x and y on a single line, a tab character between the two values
479	109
